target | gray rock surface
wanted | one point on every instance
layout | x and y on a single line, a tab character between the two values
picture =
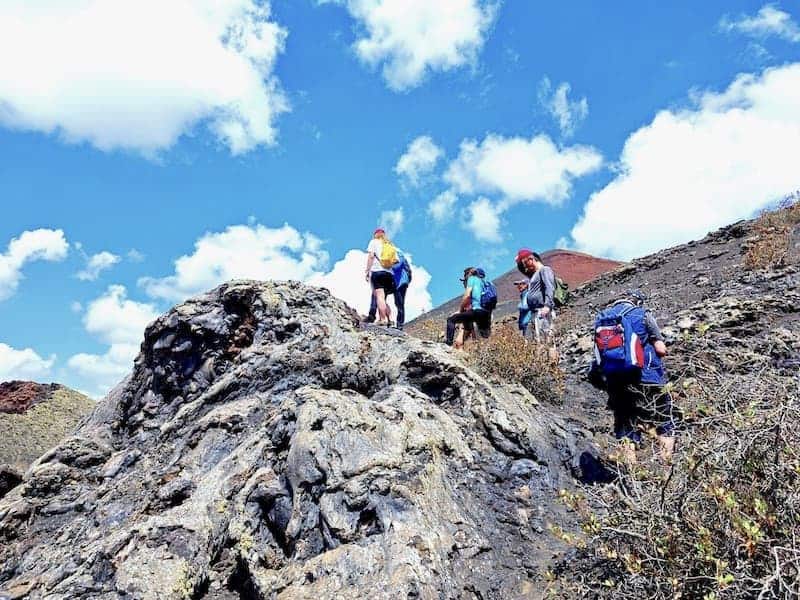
266	447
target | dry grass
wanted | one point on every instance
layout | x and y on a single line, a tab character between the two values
773	233
508	358
431	330
721	522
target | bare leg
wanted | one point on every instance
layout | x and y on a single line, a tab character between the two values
458	341
667	447
383	309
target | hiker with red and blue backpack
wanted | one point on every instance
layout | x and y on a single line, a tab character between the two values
477	303
628	353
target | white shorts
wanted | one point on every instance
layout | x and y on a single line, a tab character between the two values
543	326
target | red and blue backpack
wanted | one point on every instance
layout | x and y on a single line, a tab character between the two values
618	347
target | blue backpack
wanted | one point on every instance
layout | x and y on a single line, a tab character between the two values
618	350
401	271
489	293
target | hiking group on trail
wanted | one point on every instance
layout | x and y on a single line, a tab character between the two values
628	344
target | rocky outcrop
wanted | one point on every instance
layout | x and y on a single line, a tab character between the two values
266	447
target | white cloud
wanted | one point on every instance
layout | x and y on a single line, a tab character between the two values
419	160
767	21
241	252
568	113
137	75
76	307
97	263
519	169
411	38
259	252
118	322
442	208
692	170
346	281
484	221
135	256
392	221
39	244
23	364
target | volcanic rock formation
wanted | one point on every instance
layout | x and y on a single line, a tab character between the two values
266	447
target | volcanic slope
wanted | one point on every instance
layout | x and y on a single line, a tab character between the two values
265	446
34	417
722	520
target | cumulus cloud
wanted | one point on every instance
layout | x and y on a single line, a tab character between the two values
418	161
569	114
259	252
698	168
23	364
442	208
135	256
410	38
119	322
768	21
392	221
39	244
346	281
484	220
96	264
241	252
136	75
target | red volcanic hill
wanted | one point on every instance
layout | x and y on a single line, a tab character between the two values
34	417
575	268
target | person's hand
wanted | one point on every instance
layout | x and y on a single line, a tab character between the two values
544	311
366	276
660	348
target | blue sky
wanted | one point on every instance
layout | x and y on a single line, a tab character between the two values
268	139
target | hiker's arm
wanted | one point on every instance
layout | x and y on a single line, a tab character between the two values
370	260
654	334
549	283
466	299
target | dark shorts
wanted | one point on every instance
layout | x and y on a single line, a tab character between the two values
642	405
382	280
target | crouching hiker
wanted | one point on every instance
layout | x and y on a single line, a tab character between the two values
629	349
477	303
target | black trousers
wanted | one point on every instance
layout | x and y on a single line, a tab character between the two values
476	316
399	301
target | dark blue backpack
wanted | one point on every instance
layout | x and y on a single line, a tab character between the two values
618	350
489	292
401	271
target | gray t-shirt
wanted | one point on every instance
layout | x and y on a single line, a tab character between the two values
541	288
